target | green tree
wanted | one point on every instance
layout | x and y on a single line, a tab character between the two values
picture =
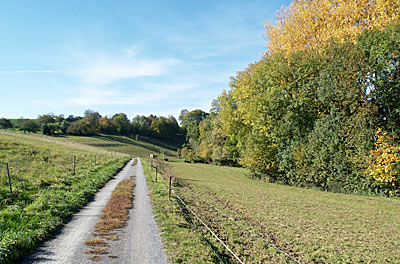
46	119
122	124
30	126
5	123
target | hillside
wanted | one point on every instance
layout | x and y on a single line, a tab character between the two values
269	223
49	181
138	148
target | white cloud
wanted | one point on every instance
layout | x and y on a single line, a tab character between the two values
150	94
30	71
106	69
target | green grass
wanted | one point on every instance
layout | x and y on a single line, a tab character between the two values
182	243
142	148
311	226
45	190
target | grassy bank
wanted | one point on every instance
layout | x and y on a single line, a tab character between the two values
268	223
46	191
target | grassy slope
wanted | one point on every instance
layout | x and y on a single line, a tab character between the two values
46	192
142	148
312	225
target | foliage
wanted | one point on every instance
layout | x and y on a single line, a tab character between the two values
308	118
121	124
311	24
5	123
384	166
30	126
46	119
45	129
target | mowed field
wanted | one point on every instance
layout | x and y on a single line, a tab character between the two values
270	223
138	148
45	189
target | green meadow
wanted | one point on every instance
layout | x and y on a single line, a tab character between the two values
269	223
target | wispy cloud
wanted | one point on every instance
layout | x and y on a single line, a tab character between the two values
147	95
30	71
105	69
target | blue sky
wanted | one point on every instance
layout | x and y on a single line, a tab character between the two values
133	57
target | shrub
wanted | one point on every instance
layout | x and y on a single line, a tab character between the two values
384	165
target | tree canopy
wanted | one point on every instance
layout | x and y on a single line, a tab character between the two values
314	23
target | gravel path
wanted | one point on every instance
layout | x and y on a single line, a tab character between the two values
139	241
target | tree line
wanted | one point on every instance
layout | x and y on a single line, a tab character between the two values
324	113
92	123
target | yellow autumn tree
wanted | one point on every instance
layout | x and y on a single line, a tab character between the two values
313	23
385	164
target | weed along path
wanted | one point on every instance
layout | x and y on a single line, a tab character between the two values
141	241
137	242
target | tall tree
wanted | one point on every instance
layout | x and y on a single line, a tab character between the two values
313	23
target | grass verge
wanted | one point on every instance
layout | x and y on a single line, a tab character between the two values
182	242
45	190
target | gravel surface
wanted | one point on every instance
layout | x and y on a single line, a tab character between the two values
139	241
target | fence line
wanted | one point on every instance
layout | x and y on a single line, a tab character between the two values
194	225
22	170
198	218
209	229
233	220
245	227
202	237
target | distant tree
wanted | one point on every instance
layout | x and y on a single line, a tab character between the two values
122	124
182	114
72	118
193	116
80	128
92	119
45	129
46	119
173	126
59	118
64	126
5	123
106	125
141	125
30	126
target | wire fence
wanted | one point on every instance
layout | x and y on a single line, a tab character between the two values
32	172
160	167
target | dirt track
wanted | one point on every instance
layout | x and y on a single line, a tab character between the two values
139	241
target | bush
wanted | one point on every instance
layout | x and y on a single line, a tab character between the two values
30	126
384	166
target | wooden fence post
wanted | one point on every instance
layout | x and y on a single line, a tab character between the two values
9	178
156	172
